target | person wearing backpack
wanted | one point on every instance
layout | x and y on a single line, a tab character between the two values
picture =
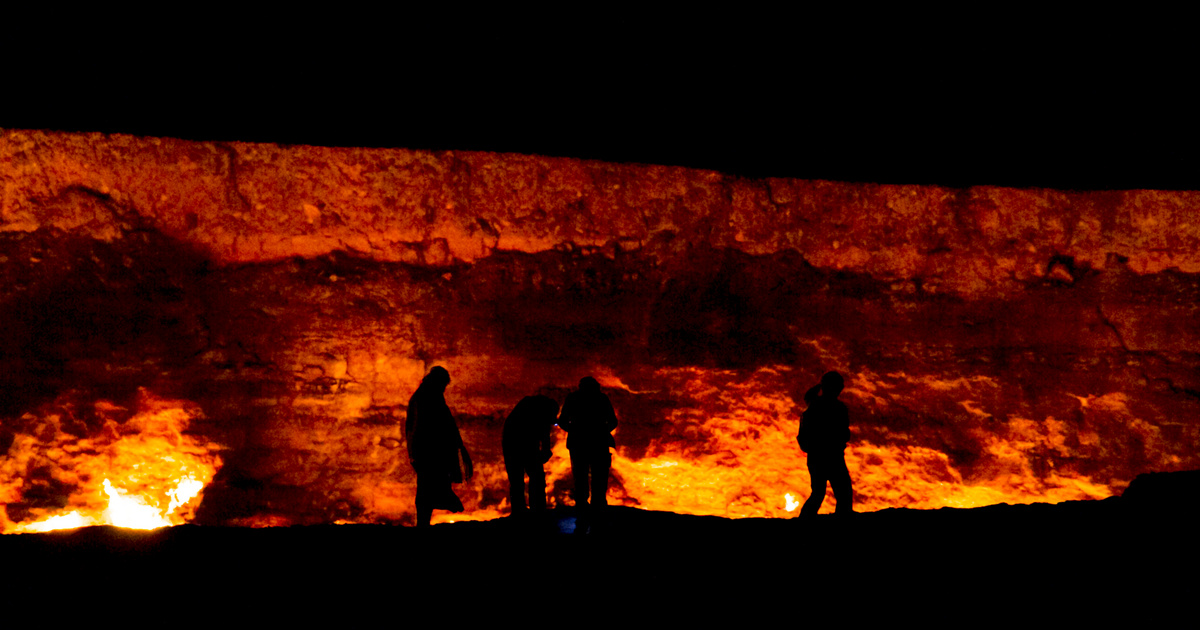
824	433
589	419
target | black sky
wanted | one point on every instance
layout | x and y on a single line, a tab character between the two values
1022	108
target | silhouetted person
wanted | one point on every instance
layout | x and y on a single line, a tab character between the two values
588	418
433	447
824	432
527	444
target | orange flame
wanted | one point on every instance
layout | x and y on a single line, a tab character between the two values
144	473
727	448
751	466
733	453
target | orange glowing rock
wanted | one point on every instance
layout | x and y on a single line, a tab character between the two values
1001	345
310	201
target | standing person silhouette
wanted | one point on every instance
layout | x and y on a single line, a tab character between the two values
526	443
433	447
588	418
824	432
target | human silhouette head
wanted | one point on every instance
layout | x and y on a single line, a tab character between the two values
832	384
588	384
437	378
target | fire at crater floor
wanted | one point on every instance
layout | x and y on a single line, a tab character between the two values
253	318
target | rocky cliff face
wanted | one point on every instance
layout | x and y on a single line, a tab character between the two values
999	344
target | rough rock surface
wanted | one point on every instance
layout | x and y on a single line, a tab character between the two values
242	203
1031	342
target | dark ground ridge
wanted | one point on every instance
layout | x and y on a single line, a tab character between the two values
1078	558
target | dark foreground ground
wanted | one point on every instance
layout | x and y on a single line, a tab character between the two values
1132	557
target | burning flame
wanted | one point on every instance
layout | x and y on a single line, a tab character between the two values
725	446
744	458
731	451
143	473
72	520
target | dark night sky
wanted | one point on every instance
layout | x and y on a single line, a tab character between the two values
1024	107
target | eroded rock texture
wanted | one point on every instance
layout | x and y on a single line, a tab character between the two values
999	344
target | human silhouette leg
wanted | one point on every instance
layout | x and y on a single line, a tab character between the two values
600	466
819	474
579	473
424	499
537	484
843	492
812	505
516	485
434	493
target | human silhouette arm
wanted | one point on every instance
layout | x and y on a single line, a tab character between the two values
811	397
466	457
546	439
844	424
567	415
610	421
410	425
469	468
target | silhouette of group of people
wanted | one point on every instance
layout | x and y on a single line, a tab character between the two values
435	446
437	452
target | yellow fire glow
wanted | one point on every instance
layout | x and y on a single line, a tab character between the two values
144	473
71	520
133	512
738	456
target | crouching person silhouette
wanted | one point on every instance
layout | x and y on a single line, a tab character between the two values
527	443
824	432
434	444
588	418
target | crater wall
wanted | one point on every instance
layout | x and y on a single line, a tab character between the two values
999	344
